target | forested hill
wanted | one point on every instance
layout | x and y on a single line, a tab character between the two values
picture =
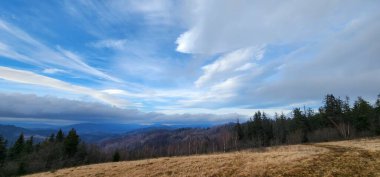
336	119
89	132
11	133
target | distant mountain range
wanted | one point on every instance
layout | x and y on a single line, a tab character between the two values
172	142
11	133
89	132
134	141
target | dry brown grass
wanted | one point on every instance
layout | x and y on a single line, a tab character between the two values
344	158
370	144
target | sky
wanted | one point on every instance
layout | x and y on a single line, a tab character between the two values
175	62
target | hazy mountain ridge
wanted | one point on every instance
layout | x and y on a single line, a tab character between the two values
89	132
11	133
168	142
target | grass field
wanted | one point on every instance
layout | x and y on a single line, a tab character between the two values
342	158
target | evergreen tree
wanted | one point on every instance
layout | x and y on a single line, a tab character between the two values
18	146
301	124
29	145
71	143
333	111
257	127
346	110
281	128
3	150
51	138
377	104
376	123
25	157
60	136
267	128
116	156
362	112
239	130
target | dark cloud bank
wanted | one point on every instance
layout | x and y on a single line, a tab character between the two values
26	107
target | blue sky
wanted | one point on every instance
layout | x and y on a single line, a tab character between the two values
182	61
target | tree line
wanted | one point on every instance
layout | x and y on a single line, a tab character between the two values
167	143
57	151
335	120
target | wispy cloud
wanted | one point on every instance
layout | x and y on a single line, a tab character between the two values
221	25
100	18
154	12
328	54
117	44
53	71
27	77
30	50
224	66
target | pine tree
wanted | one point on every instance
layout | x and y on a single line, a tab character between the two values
239	131
29	145
362	112
71	143
376	123
3	150
280	128
52	138
257	128
116	156
18	147
334	112
267	127
301	124
60	136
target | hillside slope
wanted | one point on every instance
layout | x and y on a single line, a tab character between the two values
344	158
11	133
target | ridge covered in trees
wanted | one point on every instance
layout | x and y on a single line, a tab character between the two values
337	119
57	151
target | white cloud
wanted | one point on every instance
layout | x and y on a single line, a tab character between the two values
76	62
314	48
114	91
246	66
186	41
220	82
240	113
222	25
154	11
216	96
156	94
27	77
53	71
117	44
9	52
30	50
223	67
100	17
345	64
